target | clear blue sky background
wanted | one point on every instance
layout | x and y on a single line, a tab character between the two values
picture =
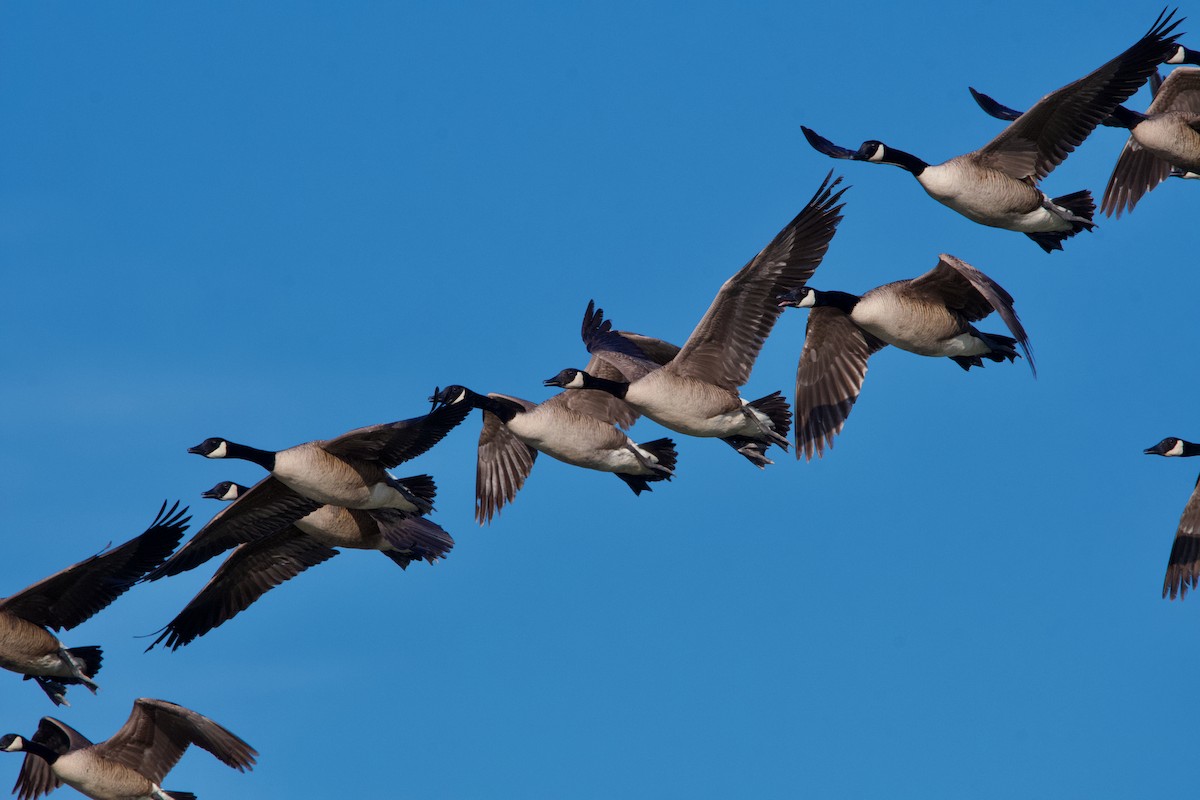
276	222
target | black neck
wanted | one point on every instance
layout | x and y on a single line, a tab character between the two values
615	388
504	409
903	160
843	301
1190	448
38	749
264	458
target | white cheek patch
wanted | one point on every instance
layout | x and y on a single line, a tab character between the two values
461	396
220	452
809	300
1177	450
1177	58
877	156
15	745
231	493
576	382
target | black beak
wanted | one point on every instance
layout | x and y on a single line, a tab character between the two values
210	494
823	145
790	298
196	450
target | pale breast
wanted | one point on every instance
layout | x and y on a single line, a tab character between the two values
101	779
28	648
989	196
573	437
896	319
316	474
335	526
687	405
1170	137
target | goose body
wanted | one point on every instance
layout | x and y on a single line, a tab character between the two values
1183	565
996	185
70	597
132	763
697	392
931	315
350	470
515	431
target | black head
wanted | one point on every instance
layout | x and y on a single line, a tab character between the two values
11	743
450	395
1170	446
225	490
569	378
210	448
870	150
800	297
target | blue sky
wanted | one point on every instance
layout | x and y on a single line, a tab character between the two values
277	222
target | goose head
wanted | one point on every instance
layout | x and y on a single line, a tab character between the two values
569	378
802	297
225	490
12	743
1170	446
451	395
211	448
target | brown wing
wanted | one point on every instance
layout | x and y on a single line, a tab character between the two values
724	345
1038	141
829	377
264	508
393	443
36	778
1183	567
967	291
1138	171
154	737
502	465
73	595
251	570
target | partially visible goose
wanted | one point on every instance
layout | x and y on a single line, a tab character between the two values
73	595
349	471
697	392
256	567
996	185
1183	566
129	765
564	428
1162	142
930	315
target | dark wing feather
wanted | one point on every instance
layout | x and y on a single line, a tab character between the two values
393	443
264	508
74	594
1039	140
1138	171
154	737
725	344
251	570
1183	567
829	377
622	355
967	291
602	405
503	463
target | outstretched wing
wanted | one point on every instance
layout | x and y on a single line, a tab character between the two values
1183	567
73	595
393	443
725	344
1038	141
502	464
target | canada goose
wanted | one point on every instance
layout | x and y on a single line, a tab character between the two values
1162	142
697	392
930	315
564	428
350	470
256	567
1183	566
129	765
996	185
73	595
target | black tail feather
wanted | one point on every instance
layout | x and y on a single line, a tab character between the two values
422	490
778	411
1081	205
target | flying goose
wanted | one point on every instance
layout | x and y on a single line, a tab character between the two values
996	185
1183	566
565	428
256	567
697	392
129	765
1162	142
930	315
350	470
73	595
